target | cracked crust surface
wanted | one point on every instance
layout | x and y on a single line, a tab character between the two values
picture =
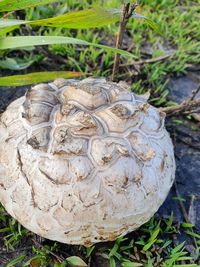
83	161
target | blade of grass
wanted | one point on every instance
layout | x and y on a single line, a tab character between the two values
178	248
169	222
187	225
5	30
36	77
193	234
15	261
112	262
151	23
25	41
90	18
185	265
11	5
11	22
15	64
82	19
152	239
131	264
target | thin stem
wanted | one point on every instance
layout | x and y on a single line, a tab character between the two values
181	108
126	14
195	92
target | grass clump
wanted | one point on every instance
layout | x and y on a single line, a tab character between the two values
156	244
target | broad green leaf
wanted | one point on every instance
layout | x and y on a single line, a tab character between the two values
10	5
36	77
25	41
15	64
90	18
83	19
76	261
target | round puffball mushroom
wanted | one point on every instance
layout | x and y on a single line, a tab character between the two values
83	161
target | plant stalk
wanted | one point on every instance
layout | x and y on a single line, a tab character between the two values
126	14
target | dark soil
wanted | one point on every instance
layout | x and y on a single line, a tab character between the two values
186	139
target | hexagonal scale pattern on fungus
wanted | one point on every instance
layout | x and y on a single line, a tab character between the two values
83	161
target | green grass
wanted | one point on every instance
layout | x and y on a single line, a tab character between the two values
154	243
177	20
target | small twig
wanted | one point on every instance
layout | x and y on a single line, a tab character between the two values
189	105
184	212
119	40
196	110
195	92
147	61
126	14
7	14
3	260
182	207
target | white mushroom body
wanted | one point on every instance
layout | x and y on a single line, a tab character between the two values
83	161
